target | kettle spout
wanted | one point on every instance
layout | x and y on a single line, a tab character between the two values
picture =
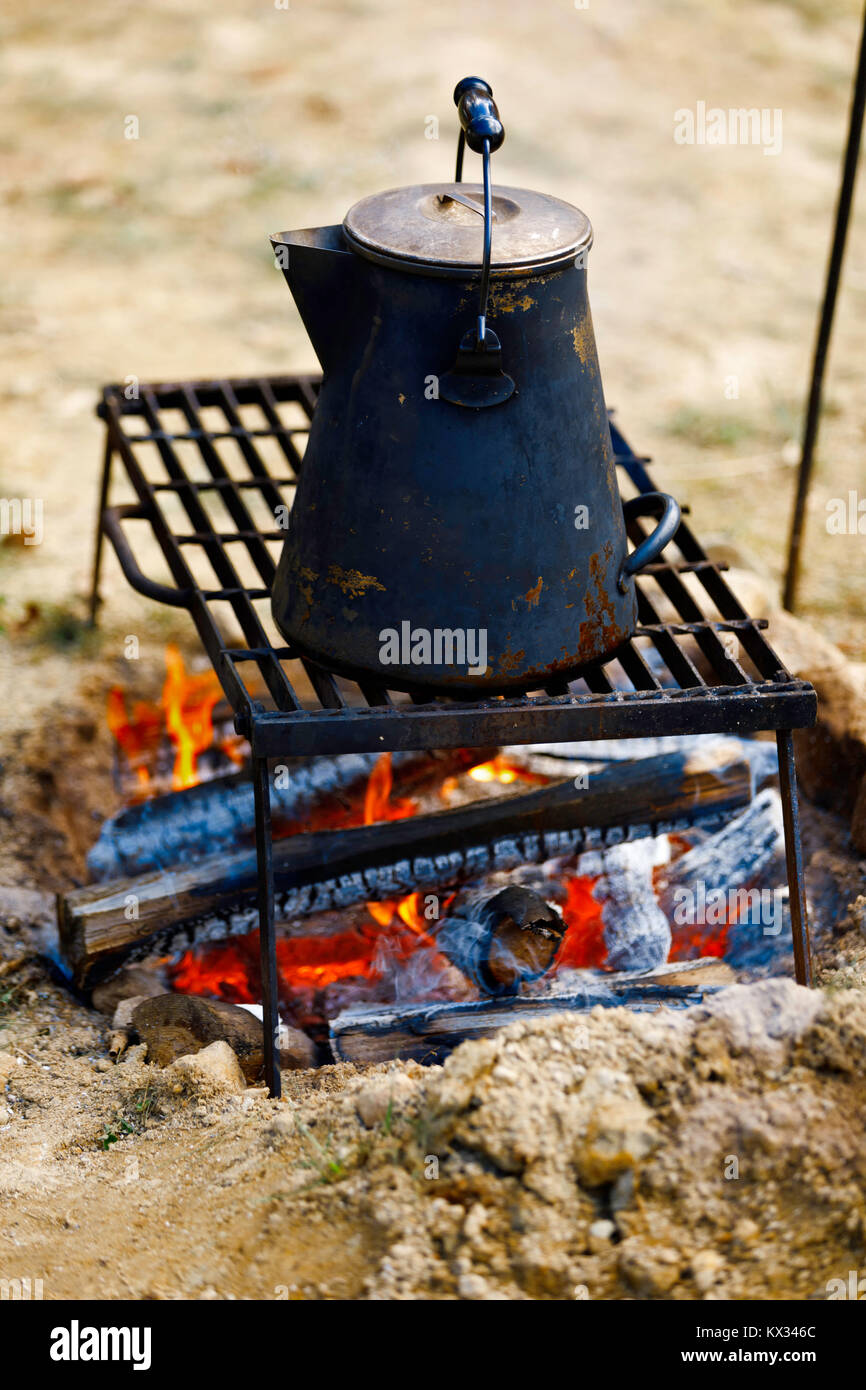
325	279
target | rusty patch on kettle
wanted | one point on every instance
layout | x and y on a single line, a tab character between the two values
584	342
353	583
533	595
530	598
510	301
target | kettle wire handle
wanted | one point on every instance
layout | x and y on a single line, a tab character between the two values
483	131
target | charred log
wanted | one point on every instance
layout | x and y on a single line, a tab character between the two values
429	1032
220	815
501	939
100	924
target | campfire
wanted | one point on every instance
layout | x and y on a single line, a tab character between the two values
391	870
511	920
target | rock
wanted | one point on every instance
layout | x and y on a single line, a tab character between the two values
651	1270
282	1125
619	1127
174	1025
831	757
214	1067
297	1051
135	1054
474	1286
759	1019
600	1235
9	1066
745	1232
707	1268
132	982
374	1099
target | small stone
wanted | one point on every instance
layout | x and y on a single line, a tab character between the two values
649	1269
620	1129
600	1235
297	1051
138	1053
707	1268
9	1065
746	1231
383	1092
474	1286
215	1068
282	1125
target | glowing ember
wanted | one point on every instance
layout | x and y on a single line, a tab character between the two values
583	945
230	969
398	941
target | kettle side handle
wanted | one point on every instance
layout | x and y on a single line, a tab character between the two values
668	510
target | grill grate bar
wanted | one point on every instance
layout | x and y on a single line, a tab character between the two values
698	666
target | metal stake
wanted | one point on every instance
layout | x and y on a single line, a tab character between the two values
794	857
267	935
97	545
822	342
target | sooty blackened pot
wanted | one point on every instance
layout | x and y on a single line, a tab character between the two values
457	522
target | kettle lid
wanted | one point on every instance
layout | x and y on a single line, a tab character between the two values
438	228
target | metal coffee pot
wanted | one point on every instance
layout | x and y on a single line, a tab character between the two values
457	523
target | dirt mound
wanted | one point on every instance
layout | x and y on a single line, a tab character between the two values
711	1153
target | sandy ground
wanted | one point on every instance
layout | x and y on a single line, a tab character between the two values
715	1153
149	257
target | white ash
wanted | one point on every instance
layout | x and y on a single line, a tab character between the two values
735	856
637	932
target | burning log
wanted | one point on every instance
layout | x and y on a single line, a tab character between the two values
101	923
498	940
220	815
429	1032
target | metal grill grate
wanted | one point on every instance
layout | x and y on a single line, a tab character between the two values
211	461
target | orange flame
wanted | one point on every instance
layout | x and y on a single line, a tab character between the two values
378	805
499	769
185	714
137	735
188	702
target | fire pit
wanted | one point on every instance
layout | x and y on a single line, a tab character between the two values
213	466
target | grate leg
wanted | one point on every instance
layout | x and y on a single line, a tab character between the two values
267	936
794	857
97	544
